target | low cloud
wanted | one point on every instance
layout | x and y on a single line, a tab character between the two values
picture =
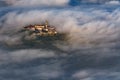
25	70
24	55
113	2
90	52
85	31
94	74
82	29
37	2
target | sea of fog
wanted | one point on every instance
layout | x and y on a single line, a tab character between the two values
90	50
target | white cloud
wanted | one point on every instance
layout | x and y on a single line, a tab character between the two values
91	32
50	70
83	28
95	74
30	54
82	74
113	2
37	2
24	55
